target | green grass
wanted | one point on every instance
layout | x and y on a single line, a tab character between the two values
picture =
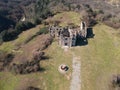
9	46
48	79
66	18
26	34
53	79
8	81
99	59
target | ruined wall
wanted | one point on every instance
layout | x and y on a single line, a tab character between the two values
68	36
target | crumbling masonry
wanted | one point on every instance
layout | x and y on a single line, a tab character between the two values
67	36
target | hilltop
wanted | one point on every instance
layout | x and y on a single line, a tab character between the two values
99	59
24	14
29	57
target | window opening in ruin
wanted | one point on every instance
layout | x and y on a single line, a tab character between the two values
65	38
66	44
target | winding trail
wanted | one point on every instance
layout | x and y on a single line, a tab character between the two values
76	76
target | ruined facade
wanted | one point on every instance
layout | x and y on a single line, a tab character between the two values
67	36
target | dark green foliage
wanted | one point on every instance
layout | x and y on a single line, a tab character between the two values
42	10
1	36
4	12
12	34
29	38
5	23
37	21
43	30
21	26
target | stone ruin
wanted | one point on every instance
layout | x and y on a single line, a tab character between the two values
67	36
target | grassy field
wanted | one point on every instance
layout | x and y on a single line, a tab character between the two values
99	59
48	79
8	46
53	79
66	17
8	81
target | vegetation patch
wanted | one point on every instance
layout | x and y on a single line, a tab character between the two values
65	18
99	59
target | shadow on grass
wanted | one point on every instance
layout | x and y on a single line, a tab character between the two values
90	33
33	88
45	58
83	41
41	69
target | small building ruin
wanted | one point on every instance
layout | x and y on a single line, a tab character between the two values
68	36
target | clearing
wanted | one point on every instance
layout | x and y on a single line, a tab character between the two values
99	60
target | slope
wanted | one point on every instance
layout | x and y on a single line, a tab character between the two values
99	59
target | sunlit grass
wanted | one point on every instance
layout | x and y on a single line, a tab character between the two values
66	18
99	59
8	81
53	79
9	46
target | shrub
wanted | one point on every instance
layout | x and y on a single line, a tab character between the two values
9	35
37	21
43	30
1	36
21	26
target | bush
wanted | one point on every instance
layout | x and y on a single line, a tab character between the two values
21	26
37	21
10	35
29	38
43	30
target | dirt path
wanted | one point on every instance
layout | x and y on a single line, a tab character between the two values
76	78
65	48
